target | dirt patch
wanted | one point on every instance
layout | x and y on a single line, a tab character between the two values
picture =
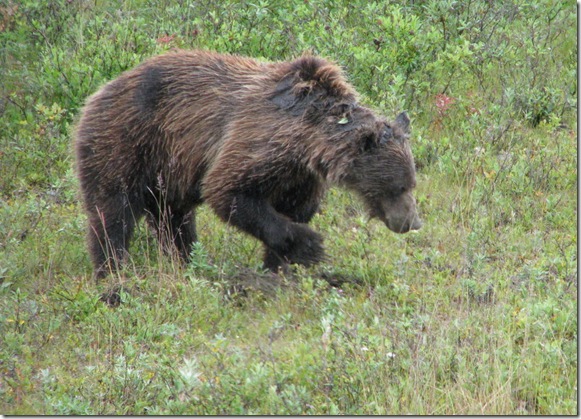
112	297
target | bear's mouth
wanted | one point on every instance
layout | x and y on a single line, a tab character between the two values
410	223
396	222
399	228
376	211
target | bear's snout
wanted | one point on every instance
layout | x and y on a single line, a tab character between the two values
401	216
404	225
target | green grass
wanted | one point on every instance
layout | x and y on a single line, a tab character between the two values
474	314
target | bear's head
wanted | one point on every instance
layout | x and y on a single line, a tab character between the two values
383	171
358	149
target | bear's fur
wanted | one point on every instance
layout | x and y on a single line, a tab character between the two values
259	142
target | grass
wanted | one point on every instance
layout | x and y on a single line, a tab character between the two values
474	314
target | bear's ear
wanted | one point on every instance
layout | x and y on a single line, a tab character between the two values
403	121
369	142
386	135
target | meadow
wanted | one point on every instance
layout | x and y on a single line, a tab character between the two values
476	313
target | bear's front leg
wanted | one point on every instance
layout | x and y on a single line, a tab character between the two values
286	242
305	248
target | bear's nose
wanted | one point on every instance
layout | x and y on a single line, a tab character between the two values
416	224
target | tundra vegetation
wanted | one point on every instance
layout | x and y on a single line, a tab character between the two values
474	314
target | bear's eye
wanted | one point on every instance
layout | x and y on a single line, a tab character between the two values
397	190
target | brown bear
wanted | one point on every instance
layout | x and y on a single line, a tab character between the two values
260	142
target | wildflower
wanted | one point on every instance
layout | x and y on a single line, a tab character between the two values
165	39
443	103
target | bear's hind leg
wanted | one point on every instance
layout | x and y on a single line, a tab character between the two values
174	230
183	228
111	227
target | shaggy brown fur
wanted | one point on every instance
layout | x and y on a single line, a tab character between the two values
259	142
